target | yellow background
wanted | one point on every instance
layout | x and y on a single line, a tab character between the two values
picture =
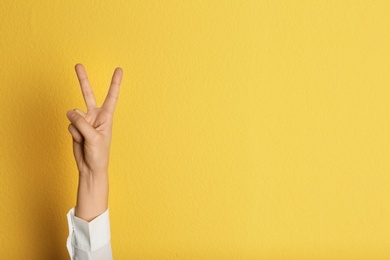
244	129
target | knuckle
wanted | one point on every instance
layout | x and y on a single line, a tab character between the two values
87	93
110	95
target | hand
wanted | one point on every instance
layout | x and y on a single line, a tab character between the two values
91	134
91	131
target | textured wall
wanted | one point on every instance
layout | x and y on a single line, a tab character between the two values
244	129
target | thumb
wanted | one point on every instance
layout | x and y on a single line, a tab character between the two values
82	125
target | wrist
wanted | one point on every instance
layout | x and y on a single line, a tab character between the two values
92	196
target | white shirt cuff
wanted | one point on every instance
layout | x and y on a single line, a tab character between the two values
88	236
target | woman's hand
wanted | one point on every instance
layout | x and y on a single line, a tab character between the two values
91	133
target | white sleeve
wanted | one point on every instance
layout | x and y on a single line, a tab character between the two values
89	240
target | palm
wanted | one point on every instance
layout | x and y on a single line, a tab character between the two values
91	147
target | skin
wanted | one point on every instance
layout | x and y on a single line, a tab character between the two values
91	134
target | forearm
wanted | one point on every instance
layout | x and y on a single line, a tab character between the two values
92	196
89	223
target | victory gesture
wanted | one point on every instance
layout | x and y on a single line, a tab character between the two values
91	131
91	134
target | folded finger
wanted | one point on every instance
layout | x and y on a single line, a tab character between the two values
85	129
75	134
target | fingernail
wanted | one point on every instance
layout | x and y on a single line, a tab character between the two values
70	114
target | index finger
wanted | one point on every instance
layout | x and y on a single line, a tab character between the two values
86	89
113	93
